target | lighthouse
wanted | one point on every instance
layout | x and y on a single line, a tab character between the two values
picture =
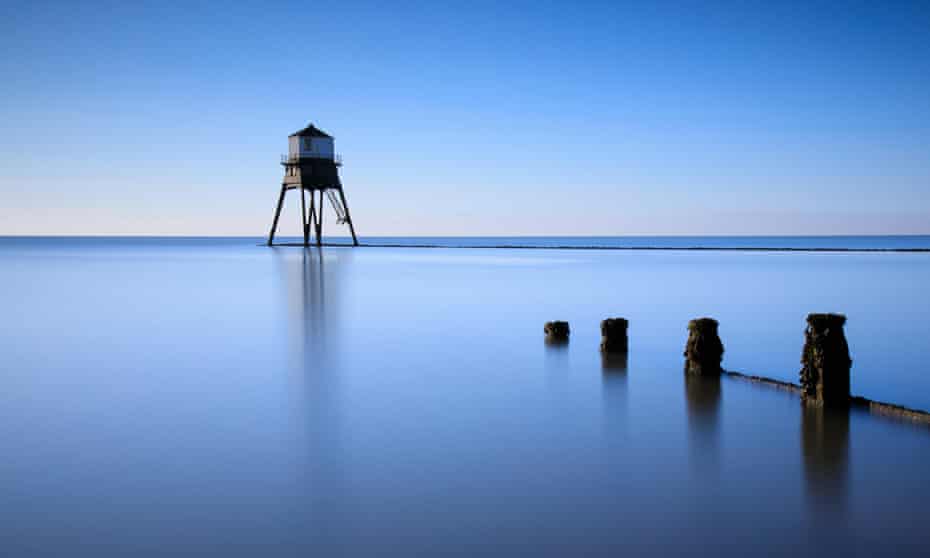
311	165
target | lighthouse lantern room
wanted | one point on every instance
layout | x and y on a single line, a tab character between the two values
311	165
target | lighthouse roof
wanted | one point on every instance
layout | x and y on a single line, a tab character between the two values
311	131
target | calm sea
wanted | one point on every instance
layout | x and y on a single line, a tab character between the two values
216	397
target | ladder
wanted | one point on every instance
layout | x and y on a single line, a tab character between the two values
341	218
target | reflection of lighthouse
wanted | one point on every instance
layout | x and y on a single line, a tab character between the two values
310	297
311	300
311	165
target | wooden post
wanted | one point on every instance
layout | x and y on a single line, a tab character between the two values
277	213
703	351
345	206
303	216
613	335
825	359
556	330
319	222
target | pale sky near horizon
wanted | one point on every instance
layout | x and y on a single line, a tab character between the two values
533	118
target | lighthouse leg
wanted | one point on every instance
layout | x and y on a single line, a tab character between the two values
311	218
345	206
303	217
319	222
277	213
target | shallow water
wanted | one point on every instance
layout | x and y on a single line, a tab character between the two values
187	396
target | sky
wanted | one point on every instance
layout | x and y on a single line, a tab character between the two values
477	118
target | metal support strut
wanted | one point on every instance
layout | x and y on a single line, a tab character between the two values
345	207
277	213
314	217
319	222
303	217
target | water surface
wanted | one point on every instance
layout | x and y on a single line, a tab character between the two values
191	396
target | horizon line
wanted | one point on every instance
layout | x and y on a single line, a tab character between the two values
637	235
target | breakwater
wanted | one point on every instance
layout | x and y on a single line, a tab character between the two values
825	363
643	248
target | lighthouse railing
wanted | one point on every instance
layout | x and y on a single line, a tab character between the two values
291	158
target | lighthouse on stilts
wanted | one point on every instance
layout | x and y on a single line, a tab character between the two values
311	165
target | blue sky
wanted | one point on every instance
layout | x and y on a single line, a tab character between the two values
478	119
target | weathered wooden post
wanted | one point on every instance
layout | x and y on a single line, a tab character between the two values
825	361
556	332
703	351
613	335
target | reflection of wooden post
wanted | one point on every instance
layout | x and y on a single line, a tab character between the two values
825	361
825	446
703	396
614	363
277	213
703	351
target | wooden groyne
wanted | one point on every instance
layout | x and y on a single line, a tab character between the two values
880	408
825	363
597	247
825	371
891	410
777	384
637	248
